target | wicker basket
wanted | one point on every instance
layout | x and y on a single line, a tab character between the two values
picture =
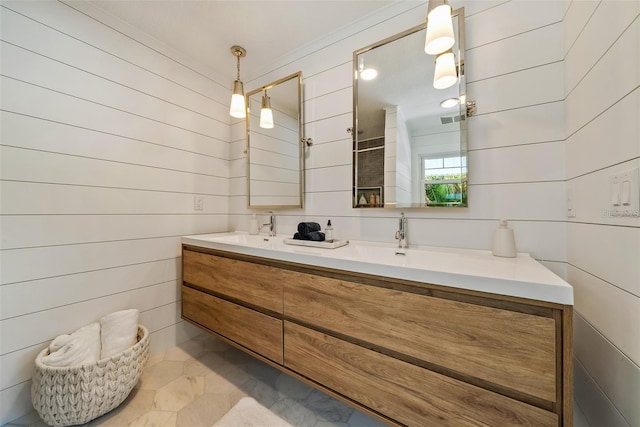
76	395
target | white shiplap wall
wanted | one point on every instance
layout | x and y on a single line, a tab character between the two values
602	78
516	150
96	190
273	152
106	140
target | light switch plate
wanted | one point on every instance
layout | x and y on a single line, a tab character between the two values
624	194
198	203
571	209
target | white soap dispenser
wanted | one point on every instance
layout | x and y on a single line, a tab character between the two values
253	225
328	233
504	243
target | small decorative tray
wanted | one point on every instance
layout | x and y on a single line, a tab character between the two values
326	245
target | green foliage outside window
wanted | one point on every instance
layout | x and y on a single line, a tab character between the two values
446	193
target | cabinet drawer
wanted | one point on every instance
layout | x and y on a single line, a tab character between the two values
513	350
406	393
254	284
256	331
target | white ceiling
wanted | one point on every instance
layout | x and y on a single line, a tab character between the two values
205	30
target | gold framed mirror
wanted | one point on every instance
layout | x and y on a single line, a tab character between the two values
275	151
409	149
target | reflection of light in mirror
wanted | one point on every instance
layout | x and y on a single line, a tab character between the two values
445	74
439	28
450	103
368	74
266	114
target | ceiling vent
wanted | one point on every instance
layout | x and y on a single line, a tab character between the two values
452	119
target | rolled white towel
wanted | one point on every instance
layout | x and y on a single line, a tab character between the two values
82	346
119	331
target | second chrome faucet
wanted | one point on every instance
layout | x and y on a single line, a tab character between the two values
401	234
271	224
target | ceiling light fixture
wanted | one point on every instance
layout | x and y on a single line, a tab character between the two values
266	113
445	74
238	108
439	28
450	103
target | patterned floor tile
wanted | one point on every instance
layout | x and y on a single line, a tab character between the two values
138	403
204	411
292	388
155	419
358	419
263	393
226	380
205	364
294	413
160	374
188	350
327	408
178	393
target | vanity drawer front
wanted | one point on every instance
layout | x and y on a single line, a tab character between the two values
510	350
254	284
256	331
406	393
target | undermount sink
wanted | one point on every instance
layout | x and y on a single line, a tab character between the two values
241	239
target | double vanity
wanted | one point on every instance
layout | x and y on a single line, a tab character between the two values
427	337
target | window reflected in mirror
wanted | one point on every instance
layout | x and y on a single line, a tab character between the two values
410	129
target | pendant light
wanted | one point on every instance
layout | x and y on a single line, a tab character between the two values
266	114
445	74
238	108
439	27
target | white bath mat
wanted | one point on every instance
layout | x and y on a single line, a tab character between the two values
249	413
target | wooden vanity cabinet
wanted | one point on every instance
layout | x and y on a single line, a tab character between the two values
406	352
240	301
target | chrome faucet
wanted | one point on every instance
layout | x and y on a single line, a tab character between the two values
401	234
271	224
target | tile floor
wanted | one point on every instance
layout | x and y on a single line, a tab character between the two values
197	382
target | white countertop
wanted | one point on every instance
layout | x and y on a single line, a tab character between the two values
470	269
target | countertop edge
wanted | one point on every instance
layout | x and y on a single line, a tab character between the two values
558	292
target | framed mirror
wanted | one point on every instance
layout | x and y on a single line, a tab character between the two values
275	160
409	147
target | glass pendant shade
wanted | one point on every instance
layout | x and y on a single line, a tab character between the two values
439	28
238	108
266	113
445	74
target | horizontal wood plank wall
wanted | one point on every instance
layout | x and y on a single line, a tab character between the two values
106	139
516	150
602	49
